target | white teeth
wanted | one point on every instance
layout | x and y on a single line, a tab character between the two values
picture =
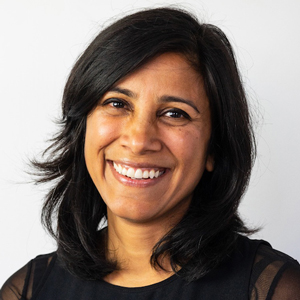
117	167
124	172
152	173
120	169
130	172
145	174
137	173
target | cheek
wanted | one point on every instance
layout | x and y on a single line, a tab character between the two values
99	133
188	146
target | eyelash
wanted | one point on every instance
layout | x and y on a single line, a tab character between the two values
112	101
177	111
121	104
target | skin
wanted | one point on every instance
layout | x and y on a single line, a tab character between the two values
158	118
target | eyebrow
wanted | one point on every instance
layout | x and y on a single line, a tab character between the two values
126	92
167	99
163	99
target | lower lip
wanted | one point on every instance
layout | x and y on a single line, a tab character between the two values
141	183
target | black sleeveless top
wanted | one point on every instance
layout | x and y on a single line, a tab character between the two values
253	271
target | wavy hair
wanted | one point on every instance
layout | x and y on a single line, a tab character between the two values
73	208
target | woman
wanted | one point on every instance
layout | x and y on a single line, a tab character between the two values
156	140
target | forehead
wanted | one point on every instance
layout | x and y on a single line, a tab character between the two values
169	62
168	72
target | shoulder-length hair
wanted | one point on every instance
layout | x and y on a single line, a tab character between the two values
208	231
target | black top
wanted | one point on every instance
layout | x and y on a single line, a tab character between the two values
253	271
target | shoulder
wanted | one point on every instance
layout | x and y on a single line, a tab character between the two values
20	285
275	275
12	288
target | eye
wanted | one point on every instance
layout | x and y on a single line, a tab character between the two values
115	103
176	113
175	117
115	106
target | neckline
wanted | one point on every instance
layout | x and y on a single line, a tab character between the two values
141	288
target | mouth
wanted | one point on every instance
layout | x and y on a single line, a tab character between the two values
138	173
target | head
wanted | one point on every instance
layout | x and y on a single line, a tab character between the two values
117	52
136	39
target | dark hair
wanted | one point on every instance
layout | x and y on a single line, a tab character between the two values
208	232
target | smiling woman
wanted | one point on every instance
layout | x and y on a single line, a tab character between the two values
156	140
155	122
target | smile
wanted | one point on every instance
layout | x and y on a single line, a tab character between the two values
144	173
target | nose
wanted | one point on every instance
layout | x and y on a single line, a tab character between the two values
141	135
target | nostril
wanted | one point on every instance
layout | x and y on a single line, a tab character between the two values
141	138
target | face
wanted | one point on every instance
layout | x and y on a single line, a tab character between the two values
146	141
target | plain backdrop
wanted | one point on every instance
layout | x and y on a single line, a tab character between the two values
41	39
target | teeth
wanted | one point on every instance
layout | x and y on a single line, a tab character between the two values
124	172
152	173
130	172
137	173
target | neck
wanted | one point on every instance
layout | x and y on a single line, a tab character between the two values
131	245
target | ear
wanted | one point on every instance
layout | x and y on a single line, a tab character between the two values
210	162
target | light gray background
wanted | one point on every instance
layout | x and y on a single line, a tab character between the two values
40	40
